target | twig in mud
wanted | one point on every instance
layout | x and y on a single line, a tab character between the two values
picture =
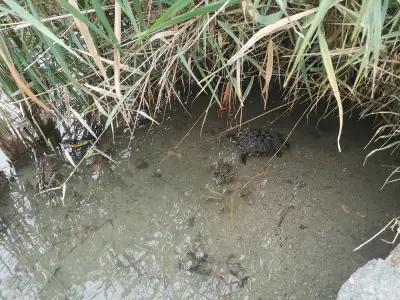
392	228
284	214
392	224
191	128
183	138
64	184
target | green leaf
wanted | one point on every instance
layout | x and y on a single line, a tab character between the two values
274	17
117	107
175	8
228	29
248	88
268	19
138	9
83	122
98	6
323	8
200	11
54	49
27	17
77	14
326	57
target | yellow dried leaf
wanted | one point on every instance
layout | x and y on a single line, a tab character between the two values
268	71
87	37
282	24
20	81
117	55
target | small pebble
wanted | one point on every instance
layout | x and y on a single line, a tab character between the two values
141	164
158	173
191	221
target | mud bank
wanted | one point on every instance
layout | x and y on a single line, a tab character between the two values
160	224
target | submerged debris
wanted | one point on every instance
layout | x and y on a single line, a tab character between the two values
223	172
196	260
157	173
76	148
228	272
3	178
257	142
49	172
191	221
141	164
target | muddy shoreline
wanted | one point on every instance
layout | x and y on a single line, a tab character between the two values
166	221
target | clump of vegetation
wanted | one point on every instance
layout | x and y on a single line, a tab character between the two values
92	63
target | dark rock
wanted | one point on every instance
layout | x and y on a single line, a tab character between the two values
191	221
301	184
223	172
229	273
290	181
50	171
157	173
196	259
259	142
141	164
3	178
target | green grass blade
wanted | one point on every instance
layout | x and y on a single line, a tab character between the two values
27	17
80	16
323	8
228	29
197	12
326	57
137	5
98	6
83	122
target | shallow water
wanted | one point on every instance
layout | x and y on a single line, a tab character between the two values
124	231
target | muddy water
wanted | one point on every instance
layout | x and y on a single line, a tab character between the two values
156	225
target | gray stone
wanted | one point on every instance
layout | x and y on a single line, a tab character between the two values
376	280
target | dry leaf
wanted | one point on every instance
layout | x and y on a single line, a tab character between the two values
117	55
268	71
87	37
20	81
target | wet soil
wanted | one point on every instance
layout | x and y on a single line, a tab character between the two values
157	225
